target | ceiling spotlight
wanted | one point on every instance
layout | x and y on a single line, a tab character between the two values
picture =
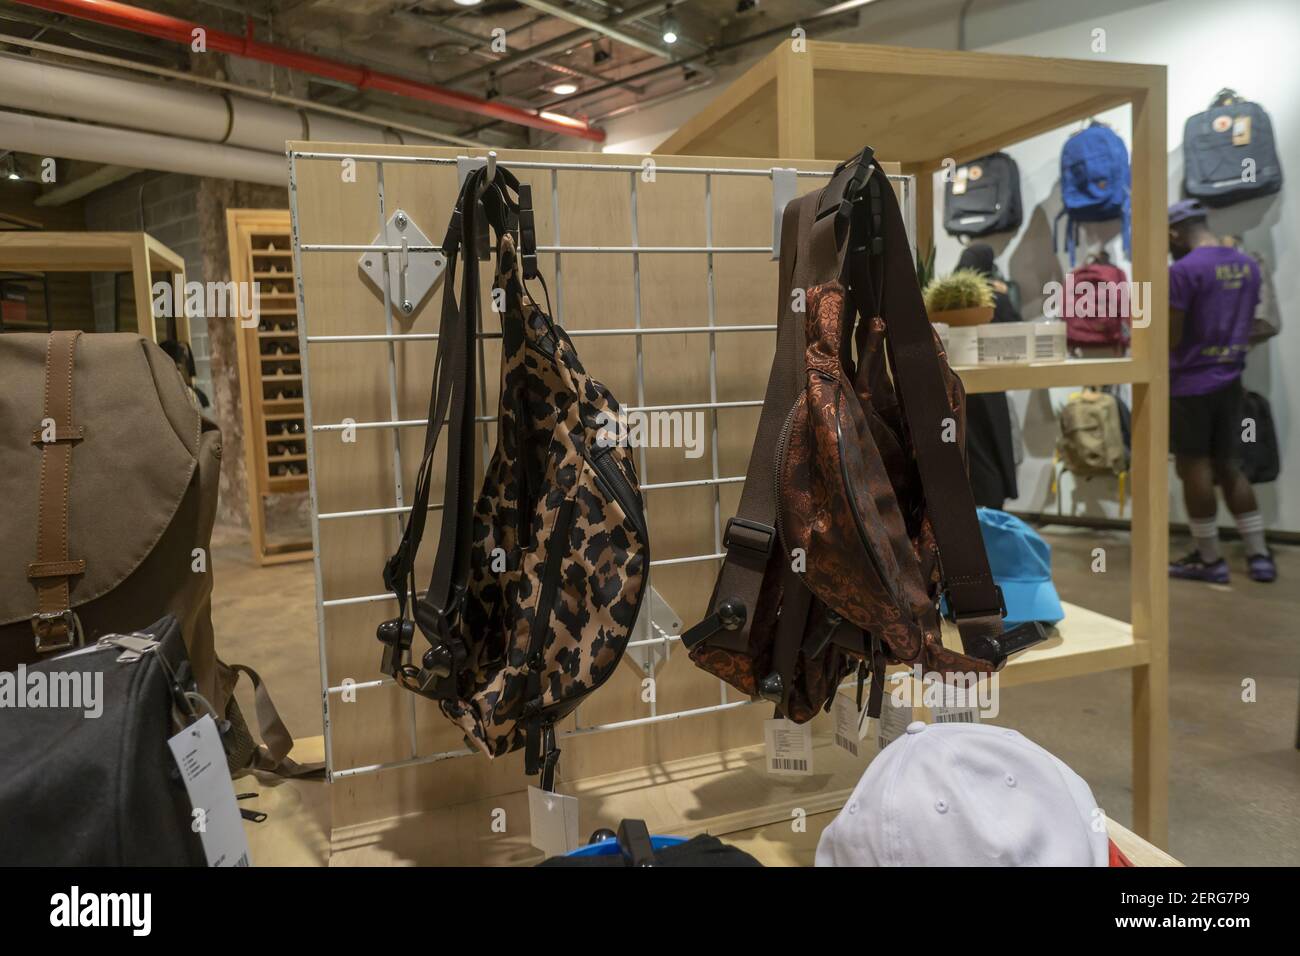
564	89
468	3
670	30
11	167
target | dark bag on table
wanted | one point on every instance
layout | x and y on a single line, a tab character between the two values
103	790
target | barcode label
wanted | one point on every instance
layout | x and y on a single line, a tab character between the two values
955	715
788	746
848	724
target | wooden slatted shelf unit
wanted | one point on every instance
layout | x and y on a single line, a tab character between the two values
136	254
920	108
270	373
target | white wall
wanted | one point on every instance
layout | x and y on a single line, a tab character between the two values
1249	45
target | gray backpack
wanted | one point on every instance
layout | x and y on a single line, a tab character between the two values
1229	153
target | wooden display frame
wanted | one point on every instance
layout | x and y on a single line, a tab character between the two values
135	252
925	107
261	250
375	726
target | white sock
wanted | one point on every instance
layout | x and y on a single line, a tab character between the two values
1205	532
1251	527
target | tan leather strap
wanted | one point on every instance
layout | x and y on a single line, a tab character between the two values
54	625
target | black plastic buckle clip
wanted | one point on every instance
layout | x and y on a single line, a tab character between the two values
996	650
750	535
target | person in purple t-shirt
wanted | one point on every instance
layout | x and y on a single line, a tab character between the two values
1213	291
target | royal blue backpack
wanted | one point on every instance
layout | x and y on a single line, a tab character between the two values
1094	182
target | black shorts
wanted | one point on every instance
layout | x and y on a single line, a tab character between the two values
1209	425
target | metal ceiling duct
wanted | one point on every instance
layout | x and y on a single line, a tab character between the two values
149	23
121	147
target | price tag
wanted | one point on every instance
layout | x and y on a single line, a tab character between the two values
893	722
851	724
789	747
202	762
552	821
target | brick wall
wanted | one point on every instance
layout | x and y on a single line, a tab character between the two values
165	206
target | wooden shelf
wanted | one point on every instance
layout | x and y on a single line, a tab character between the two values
136	253
249	231
1007	378
943	106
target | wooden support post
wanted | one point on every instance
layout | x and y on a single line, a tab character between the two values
142	288
794	105
1150	540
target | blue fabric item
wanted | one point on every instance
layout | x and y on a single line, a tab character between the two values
1095	183
610	847
1021	563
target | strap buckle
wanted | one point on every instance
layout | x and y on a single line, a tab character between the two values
57	631
960	616
750	535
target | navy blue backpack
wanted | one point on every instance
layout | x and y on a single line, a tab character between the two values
1094	183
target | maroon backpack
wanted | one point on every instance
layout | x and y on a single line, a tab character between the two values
1096	306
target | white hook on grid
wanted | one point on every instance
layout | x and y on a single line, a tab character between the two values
491	167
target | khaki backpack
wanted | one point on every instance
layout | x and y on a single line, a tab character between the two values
108	475
1091	442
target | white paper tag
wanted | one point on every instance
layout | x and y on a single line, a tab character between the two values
202	762
893	722
552	821
955	715
850	724
789	747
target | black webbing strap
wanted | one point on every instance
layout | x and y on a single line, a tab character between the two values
812	224
972	594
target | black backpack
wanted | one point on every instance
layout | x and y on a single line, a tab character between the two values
1217	143
983	197
1259	458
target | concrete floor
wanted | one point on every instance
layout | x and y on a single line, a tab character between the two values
1234	770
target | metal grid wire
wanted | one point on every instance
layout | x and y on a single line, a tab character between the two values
715	334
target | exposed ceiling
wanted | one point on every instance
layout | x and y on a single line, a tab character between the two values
622	63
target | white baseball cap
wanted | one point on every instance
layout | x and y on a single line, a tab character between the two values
958	794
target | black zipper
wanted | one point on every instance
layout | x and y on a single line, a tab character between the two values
556	548
618	486
782	446
876	563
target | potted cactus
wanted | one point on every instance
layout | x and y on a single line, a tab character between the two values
962	298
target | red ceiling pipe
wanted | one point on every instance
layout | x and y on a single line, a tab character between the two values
137	20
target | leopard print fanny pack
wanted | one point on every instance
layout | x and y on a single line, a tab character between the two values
539	578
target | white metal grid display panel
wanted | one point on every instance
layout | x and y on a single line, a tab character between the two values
715	335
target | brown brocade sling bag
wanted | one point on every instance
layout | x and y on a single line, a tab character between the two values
856	514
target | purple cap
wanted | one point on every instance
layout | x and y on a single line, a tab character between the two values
1186	210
